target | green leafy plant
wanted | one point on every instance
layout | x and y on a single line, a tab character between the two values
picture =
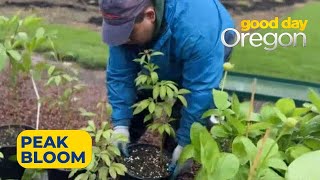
264	143
17	48
106	156
204	150
68	86
164	96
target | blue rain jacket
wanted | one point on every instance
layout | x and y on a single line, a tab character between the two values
193	57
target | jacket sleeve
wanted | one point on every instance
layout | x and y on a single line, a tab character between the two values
121	72
202	72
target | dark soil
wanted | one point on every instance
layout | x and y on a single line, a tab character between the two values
145	162
8	135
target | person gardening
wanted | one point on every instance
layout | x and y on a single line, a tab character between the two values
188	33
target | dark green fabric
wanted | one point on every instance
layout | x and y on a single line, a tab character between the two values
159	6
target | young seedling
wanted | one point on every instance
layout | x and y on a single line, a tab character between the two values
18	48
68	86
106	156
164	96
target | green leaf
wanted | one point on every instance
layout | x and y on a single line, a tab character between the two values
163	92
237	125
172	86
300	112
305	167
221	99
154	77
277	164
83	176
114	150
208	113
314	98
260	126
1	156
168	109
92	177
235	104
314	144
167	129
109	109
286	106
72	173
40	32
3	59
31	20
183	100
141	106
112	172
103	173
15	55
85	113
296	151
98	135
158	111
183	91
269	174
280	115
161	129
156	91
227	168
107	134
22	36
218	131
187	153
270	146
196	130
57	80
169	92
120	168
67	77
156	53
92	125
106	159
147	118
152	107
244	149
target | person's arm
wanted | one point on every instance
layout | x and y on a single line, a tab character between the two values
202	72
121	72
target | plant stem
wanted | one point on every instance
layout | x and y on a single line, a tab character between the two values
258	156
224	80
38	101
251	108
269	151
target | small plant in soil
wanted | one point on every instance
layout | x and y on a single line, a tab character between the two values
68	87
106	156
17	48
159	107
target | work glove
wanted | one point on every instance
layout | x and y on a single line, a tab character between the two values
123	146
174	168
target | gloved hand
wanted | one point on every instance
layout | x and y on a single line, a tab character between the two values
173	167
123	146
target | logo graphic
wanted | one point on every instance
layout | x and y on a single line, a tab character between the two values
269	39
54	149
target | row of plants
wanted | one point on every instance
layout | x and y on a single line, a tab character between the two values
281	141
